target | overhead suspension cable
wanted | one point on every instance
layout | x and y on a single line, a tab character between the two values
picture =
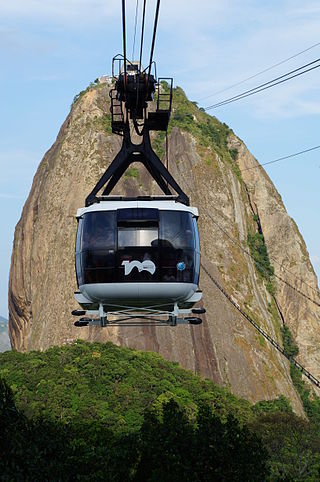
124	39
267	85
281	350
135	30
234	241
142	33
281	158
261	72
154	35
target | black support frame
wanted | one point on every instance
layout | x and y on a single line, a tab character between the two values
128	154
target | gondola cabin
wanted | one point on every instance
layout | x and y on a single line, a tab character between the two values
137	254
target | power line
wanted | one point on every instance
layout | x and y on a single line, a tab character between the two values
281	158
135	30
267	85
291	359
261	72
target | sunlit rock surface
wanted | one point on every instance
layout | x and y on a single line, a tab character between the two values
231	203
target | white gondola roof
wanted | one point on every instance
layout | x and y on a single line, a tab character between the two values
154	204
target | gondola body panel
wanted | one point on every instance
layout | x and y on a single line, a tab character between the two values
137	254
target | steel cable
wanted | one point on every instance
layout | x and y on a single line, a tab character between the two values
266	85
135	30
291	359
261	72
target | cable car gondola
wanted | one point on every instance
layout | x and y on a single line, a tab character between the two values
137	258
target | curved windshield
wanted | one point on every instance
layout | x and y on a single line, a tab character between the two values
99	230
176	229
137	245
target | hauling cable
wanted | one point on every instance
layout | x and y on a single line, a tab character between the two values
267	85
257	262
153	39
281	158
281	350
235	242
124	38
135	30
142	33
261	72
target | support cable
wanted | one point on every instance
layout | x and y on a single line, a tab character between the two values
291	359
281	158
261	72
257	262
154	36
124	40
154	32
236	243
267	85
141	48
135	30
142	33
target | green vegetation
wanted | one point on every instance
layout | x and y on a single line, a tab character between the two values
311	403
132	172
110	380
289	346
92	85
104	122
280	404
233	153
293	446
158	144
208	131
259	253
101	412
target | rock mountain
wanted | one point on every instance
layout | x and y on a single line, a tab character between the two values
240	210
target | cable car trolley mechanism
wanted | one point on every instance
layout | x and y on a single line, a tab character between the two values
137	258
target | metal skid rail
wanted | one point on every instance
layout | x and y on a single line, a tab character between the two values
129	316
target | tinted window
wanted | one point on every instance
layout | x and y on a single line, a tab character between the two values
176	229
137	214
79	235
99	230
196	232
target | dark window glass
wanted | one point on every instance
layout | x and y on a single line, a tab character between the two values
98	266
137	264
99	230
176	229
196	232
138	214
126	247
79	271
177	265
79	235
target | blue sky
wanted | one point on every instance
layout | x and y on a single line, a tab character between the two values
50	50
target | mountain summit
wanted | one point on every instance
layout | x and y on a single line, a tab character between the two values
240	213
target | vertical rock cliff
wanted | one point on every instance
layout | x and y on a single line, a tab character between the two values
236	205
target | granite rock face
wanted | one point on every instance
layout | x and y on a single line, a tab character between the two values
231	203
